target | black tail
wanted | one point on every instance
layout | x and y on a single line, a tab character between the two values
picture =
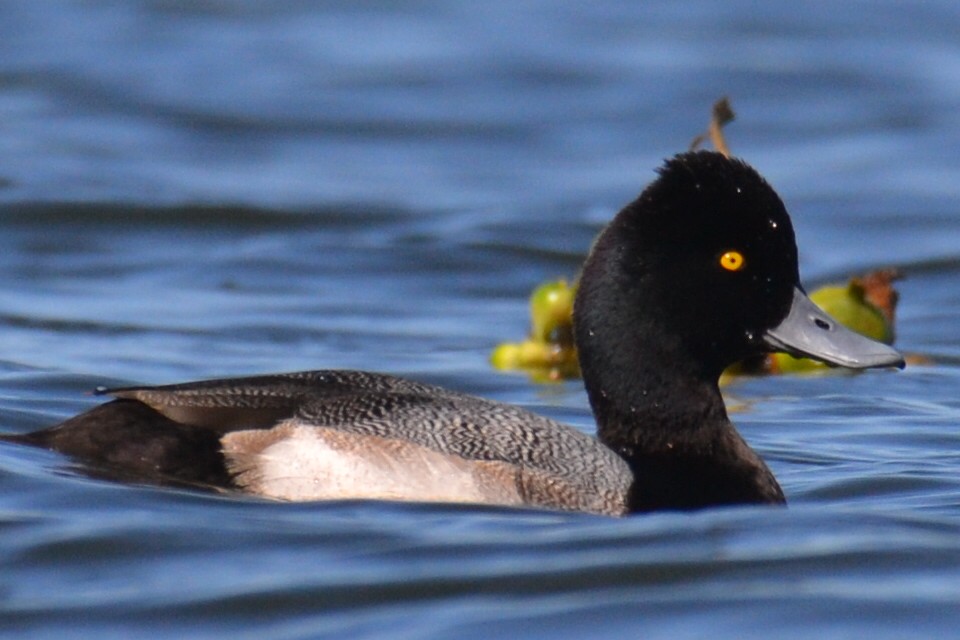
127	440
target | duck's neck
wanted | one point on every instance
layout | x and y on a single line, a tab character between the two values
665	416
658	402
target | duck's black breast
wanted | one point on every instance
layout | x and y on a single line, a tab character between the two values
683	478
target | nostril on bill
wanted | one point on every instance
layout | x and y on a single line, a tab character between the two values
823	324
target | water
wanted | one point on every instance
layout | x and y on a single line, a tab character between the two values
201	189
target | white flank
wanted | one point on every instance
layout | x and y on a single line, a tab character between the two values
296	462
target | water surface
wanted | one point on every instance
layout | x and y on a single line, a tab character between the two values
191	190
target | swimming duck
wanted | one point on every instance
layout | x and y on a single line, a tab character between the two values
698	272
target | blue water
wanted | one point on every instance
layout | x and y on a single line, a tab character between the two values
196	189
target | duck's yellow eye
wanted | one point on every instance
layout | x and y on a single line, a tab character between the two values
732	261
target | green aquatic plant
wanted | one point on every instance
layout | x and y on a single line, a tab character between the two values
549	353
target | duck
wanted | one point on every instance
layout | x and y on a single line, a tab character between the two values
698	272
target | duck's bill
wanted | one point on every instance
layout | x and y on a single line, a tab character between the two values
809	332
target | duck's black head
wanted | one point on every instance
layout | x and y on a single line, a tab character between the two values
697	273
701	264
